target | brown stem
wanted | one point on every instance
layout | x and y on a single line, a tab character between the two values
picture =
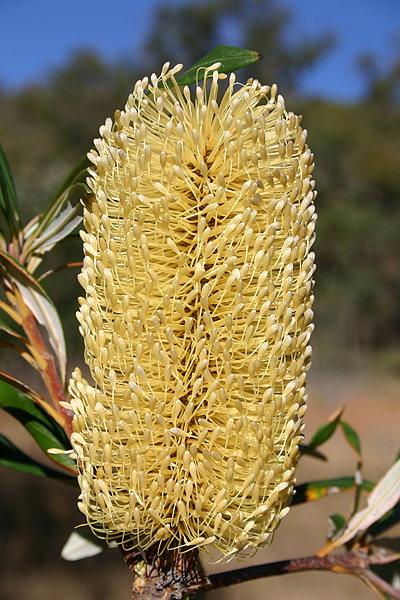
354	563
172	576
168	576
381	584
345	562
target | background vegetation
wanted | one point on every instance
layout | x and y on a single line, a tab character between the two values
45	129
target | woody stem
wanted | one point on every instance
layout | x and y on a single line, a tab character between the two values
150	582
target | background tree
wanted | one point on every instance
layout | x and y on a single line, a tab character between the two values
45	129
184	33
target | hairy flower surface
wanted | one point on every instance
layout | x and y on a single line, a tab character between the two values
197	317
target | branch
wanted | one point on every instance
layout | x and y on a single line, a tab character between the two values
341	562
171	577
354	563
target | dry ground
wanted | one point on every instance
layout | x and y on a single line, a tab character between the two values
36	516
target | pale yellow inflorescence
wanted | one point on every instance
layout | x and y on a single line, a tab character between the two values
197	317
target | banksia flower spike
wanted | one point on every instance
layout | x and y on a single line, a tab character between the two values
197	317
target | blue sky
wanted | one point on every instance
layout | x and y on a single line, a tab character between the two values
38	35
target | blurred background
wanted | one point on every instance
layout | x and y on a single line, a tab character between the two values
64	68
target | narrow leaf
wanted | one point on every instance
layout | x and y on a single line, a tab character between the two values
46	314
392	544
336	524
13	458
7	329
383	497
78	547
8	200
58	269
20	386
304	449
77	175
358	479
353	439
386	577
40	425
391	518
40	305
376	583
231	59
315	490
21	351
326	430
11	312
62	225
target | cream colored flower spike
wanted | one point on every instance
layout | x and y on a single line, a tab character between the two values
197	317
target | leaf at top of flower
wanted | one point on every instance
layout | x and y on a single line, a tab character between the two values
8	200
231	59
13	458
40	305
42	427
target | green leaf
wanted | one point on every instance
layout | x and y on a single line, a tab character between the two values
61	268
378	583
392	544
70	191
390	573
32	395
23	352
336	524
231	59
304	449
383	498
391	518
315	490
77	175
8	200
13	458
352	437
326	430
39	304
7	329
64	223
44	430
